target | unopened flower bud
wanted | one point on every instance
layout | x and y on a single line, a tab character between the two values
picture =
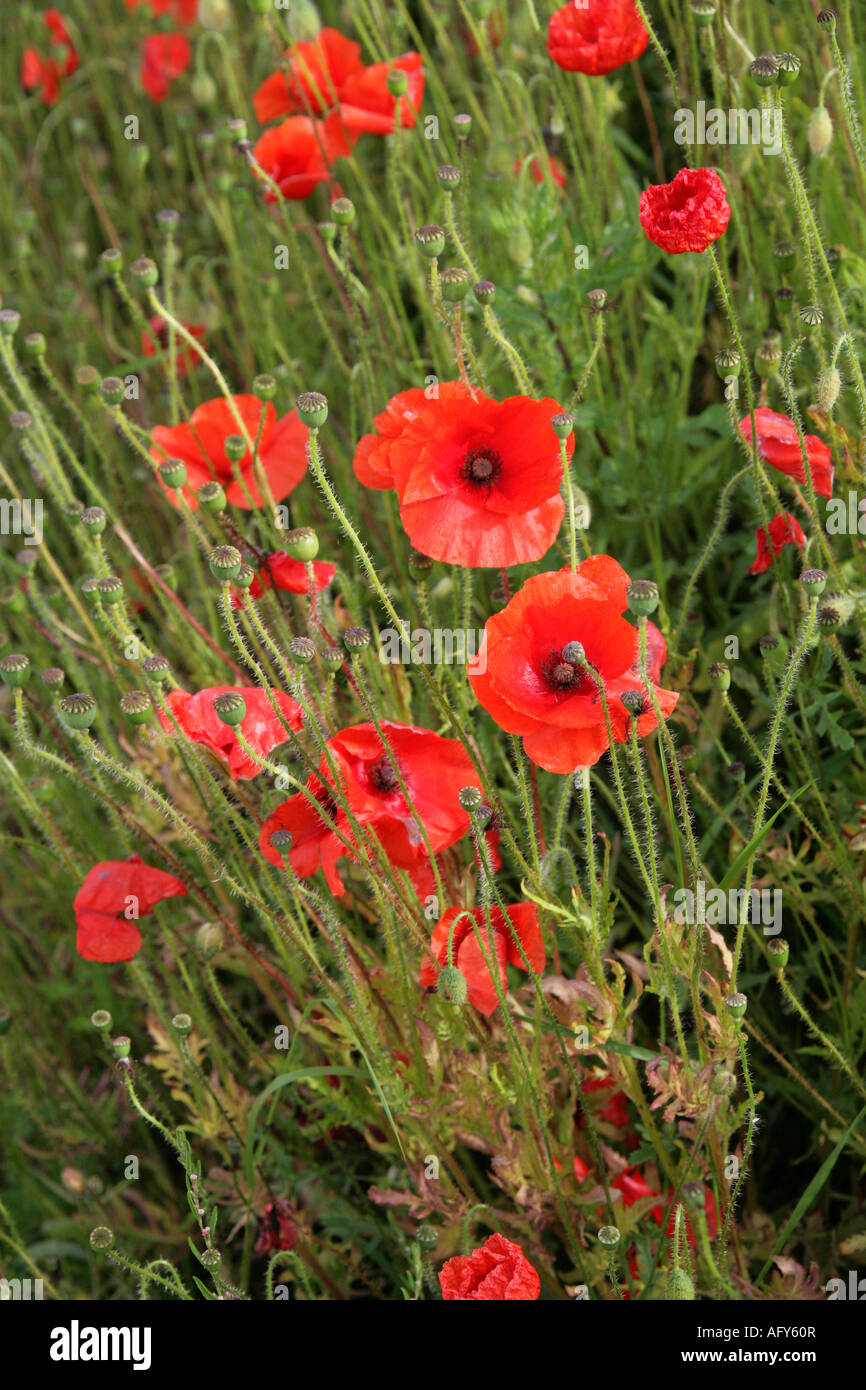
452	985
828	388
679	1286
819	132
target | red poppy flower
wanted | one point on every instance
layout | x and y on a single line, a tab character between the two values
615	1110
557	171
48	73
433	769
181	11
277	1229
112	897
479	480
316	73
498	1269
784	530
634	1186
282	450
468	956
366	105
596	36
260	726
779	446
299	153
282	572
687	214
163	58
523	680
373	463
185	358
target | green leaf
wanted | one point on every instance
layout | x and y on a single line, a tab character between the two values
746	853
278	1082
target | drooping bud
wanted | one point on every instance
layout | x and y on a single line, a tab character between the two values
452	985
828	388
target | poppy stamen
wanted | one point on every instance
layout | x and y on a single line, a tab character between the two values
482	467
383	776
565	677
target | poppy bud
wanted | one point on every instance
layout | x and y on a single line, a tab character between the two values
101	1019
211	497
52	677
144	273
302	544
430	241
484	291
719	673
209	939
224	562
469	798
331	658
181	1023
204	90
828	388
78	711
264	386
397	82
235	446
94	519
87	378
245	576
15	669
829	618
693	1194
462	124
563	425
785	252
9	321
609	1237
281	841
156	668
168	220
452	985
642	596
737	771
173	473
136	705
679	1286
728	363
722	1081
634	701
519	245
703	13
827	18
448	175
35	345
427	1237
302	650
356	638
455	284
778	950
312	409
110	589
597	300
736	1005
764	70
101	1238
814	582
788	68
230	708
819	132
768	357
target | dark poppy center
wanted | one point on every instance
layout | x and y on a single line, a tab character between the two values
329	808
482	467
383	776
563	676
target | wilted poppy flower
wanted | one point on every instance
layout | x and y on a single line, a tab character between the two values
557	172
498	1269
277	1229
478	480
185	358
181	11
48	73
686	214
615	1109
313	81
282	572
112	897
524	680
433	769
282	445
261	727
596	36
299	153
468	956
784	530
163	58
779	446
366	105
372	463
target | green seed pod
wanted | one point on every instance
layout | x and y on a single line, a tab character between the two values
173	473
144	273
224	562
156	668
812	315
469	798
78	711
452	985
90	590
182	1023
719	673
454	283
112	259
484	291
302	650
728	363
397	82
703	13
332	659
694	1195
281	841
448	176
94	520
110	589
427	1237
87	379
35	345
264	386
634	701
430	241
245	576
462	124
235	447
101	1238
101	1019
736	1005
211	497
53	677
9	322
312	409
230	708
609	1237
764	70
563	425
356	638
343	212
778	950
814	582
767	358
679	1286
642	596
136	705
302	544
419	564
15	669
788	68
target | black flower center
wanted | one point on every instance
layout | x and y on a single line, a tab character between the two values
482	467
383	777
564	676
